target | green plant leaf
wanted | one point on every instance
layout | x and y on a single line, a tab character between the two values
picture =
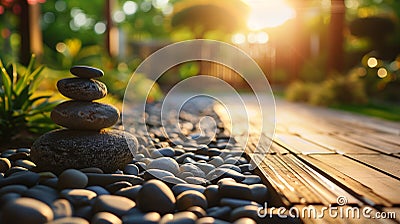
6	81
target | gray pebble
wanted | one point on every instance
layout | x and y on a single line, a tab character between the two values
72	178
219	173
26	178
210	220
114	187
98	190
212	194
91	170
235	190
164	163
156	174
216	161
251	179
234	203
184	217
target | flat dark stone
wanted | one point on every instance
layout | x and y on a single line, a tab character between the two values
156	196
84	71
82	89
82	115
26	210
26	178
63	149
114	204
106	179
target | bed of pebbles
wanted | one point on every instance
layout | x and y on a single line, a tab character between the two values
184	175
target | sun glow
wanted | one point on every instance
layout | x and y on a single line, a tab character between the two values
268	13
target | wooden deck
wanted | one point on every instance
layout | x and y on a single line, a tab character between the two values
319	154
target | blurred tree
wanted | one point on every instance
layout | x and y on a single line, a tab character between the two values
336	36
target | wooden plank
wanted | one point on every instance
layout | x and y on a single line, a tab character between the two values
339	146
390	138
383	185
297	145
323	187
384	163
372	143
362	192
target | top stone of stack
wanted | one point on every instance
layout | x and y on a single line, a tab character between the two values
86	72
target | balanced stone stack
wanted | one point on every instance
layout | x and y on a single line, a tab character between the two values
86	141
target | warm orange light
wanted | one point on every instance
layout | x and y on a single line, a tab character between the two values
268	13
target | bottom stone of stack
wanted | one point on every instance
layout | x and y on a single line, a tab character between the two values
62	149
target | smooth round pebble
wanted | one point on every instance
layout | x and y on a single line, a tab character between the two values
26	210
164	163
5	164
179	188
78	197
245	221
69	220
72	178
131	169
114	204
148	218
190	198
105	218
62	208
129	192
88	72
156	196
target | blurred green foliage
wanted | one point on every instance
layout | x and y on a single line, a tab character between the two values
22	109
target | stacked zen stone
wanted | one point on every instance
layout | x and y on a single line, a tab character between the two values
85	142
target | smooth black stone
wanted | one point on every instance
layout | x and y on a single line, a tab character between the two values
26	178
50	182
84	212
112	188
26	210
62	208
78	197
231	189
156	196
246	167
72	178
106	179
98	190
84	71
184	217
42	193
114	204
245	221
69	220
148	218
198	211
14	188
142	166
27	150
5	164
14	170
210	220
251	179
167	151
222	212
179	188
234	203
131	169
181	158
18	155
189	199
105	218
91	170
212	195
164	163
5	198
259	192
172	181
129	192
